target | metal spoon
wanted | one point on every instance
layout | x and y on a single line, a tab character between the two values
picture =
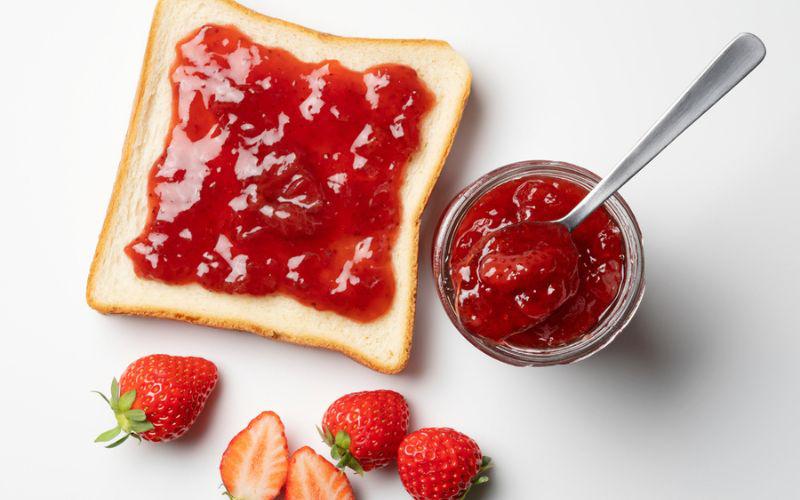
735	62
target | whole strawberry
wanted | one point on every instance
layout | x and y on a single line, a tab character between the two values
440	464
159	397
364	429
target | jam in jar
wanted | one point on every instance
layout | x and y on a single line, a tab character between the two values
519	285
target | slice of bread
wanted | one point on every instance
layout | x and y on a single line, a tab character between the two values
113	287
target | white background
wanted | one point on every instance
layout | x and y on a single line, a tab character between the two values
699	398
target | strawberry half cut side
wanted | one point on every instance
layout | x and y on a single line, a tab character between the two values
256	462
311	477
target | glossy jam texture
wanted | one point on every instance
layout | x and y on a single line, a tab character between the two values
520	281
280	175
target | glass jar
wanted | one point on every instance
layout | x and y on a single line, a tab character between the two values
610	323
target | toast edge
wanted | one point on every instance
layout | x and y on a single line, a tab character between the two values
122	168
124	165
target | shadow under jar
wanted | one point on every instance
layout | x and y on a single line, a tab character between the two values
544	344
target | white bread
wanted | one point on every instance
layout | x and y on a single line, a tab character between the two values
113	287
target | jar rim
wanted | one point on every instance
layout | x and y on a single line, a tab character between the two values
613	320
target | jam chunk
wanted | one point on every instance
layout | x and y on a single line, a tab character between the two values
280	175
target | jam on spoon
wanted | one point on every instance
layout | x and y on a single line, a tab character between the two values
527	282
531	267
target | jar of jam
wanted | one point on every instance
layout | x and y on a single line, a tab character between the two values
511	286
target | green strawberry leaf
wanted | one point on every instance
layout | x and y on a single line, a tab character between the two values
127	399
141	427
135	415
326	436
114	394
108	435
486	464
353	464
340	450
343	440
102	396
119	441
130	422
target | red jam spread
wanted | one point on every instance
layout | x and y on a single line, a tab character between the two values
280	175
525	282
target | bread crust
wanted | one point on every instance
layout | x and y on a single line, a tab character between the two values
236	324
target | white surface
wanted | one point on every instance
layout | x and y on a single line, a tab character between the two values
698	399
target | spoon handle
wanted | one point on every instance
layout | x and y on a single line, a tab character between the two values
738	59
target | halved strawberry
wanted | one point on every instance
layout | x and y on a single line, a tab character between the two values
311	477
255	464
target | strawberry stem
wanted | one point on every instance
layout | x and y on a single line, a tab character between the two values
340	450
133	422
480	477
